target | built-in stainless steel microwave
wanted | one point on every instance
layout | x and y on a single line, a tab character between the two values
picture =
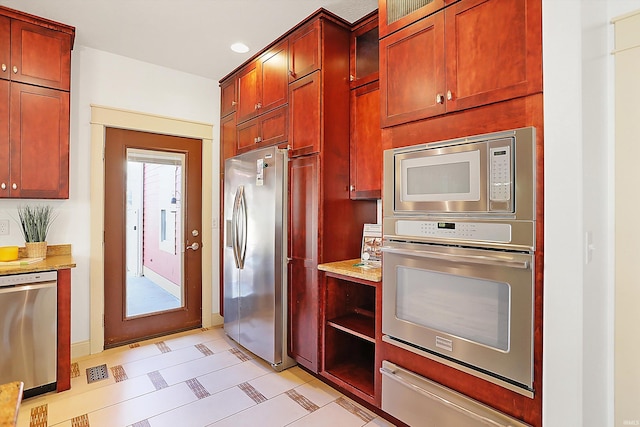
476	180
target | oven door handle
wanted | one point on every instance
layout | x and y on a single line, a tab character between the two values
475	259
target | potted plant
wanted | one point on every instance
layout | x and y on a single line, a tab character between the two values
35	222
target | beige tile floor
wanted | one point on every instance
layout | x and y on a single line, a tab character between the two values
196	378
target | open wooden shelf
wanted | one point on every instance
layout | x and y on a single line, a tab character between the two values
360	325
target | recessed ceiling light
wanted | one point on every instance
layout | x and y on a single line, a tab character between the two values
240	48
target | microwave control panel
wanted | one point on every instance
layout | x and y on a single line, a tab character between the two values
477	231
500	177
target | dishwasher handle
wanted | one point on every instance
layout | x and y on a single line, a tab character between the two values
27	287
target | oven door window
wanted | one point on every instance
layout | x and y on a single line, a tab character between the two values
441	178
476	310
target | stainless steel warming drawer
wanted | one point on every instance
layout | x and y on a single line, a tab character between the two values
418	401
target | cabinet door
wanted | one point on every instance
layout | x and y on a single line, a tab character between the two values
40	56
365	163
412	74
305	115
272	84
228	100
304	55
5	47
304	300
247	107
39	142
267	129
227	139
396	14
248	135
4	139
364	61
488	61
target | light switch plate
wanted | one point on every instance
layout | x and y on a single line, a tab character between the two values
4	227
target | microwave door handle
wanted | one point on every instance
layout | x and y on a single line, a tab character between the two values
475	259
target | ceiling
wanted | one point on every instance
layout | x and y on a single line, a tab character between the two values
186	35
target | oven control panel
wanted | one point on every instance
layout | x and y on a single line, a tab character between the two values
477	231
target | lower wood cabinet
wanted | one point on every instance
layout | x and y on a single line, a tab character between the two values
351	334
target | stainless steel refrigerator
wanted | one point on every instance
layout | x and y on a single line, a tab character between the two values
255	251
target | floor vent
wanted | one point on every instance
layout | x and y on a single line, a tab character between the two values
97	373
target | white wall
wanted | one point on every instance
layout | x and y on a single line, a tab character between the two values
578	314
109	80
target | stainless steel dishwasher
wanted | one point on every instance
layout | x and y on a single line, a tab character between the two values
28	331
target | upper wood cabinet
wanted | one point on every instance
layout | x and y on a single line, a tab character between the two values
364	62
305	51
365	163
266	129
35	71
39	144
305	114
228	96
35	54
262	84
396	14
461	57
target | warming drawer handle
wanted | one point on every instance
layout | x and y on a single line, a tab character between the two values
475	259
392	375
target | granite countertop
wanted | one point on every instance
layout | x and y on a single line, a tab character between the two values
353	268
58	258
10	397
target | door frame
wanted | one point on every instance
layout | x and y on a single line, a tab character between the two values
101	118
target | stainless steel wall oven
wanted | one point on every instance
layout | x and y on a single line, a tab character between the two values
458	255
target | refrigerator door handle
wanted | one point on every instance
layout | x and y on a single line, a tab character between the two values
239	224
234	228
242	249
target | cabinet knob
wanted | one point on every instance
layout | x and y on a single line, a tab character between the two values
352	77
15	70
259	139
3	186
258	105
14	186
439	98
4	67
449	95
234	103
352	188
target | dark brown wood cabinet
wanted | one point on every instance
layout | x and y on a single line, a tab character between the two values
365	165
262	84
459	58
35	70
